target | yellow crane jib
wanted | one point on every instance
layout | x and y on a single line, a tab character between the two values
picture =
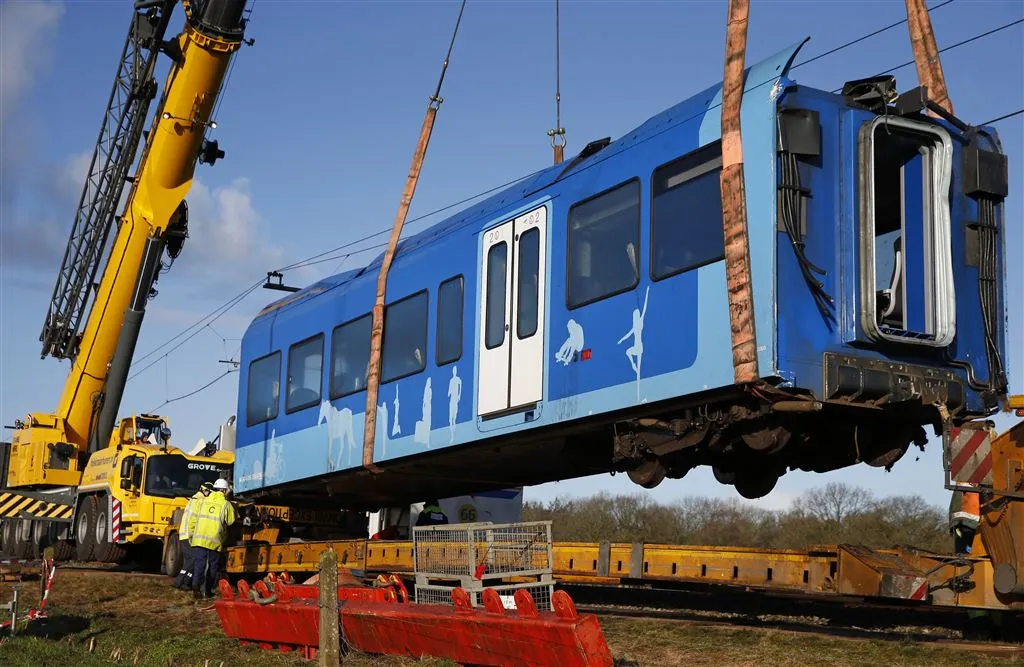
50	450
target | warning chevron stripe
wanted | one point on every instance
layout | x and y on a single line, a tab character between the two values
16	506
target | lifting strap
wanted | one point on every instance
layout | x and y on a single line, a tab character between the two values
377	328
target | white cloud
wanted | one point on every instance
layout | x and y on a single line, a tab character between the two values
69	177
27	33
225	228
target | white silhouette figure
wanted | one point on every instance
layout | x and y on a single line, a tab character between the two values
382	423
257	471
573	343
422	434
635	352
274	471
454	394
396	429
339	428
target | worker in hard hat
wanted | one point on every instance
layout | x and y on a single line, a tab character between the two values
188	522
431	514
207	538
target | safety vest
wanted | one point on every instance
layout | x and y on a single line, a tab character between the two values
188	517
964	510
214	516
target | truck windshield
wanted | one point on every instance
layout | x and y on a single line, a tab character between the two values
174	476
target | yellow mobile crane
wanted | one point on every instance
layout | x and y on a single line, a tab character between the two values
73	479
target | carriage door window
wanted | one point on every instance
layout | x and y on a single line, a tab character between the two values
906	267
512	327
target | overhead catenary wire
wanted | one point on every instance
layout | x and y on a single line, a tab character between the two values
964	42
312	260
997	119
864	37
195	391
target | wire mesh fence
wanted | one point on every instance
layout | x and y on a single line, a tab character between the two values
540	591
483	550
474	556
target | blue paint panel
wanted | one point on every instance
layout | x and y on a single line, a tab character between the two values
686	346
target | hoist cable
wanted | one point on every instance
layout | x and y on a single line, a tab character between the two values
436	97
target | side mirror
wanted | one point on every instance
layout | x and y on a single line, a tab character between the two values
126	484
165	433
126	468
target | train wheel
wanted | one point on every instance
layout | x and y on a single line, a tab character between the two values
723	476
755	485
648	474
85	529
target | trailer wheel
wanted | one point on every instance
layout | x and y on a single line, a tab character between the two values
85	529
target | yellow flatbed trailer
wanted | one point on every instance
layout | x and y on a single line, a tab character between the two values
842	570
991	577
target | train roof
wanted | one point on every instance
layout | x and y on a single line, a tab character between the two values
756	76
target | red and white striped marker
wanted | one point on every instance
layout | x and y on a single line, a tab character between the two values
970	456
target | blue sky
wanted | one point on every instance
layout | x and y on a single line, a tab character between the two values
319	121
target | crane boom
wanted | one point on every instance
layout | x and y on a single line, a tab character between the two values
52	449
120	132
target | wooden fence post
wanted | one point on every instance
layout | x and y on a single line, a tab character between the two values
330	650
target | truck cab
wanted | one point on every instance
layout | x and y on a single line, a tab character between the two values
131	489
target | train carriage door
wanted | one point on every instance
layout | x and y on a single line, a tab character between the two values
512	320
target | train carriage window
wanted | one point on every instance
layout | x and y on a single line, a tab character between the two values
686	213
529	289
404	350
604	242
449	321
264	389
305	373
350	356
497	265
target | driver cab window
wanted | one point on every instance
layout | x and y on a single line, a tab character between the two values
907	232
604	244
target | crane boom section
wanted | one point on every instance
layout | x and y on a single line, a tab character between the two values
53	448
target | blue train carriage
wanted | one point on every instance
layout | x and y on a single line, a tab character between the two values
577	322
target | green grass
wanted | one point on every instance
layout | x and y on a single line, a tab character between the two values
149	623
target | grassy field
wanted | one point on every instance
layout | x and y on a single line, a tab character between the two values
98	618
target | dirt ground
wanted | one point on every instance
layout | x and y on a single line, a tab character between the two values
102	618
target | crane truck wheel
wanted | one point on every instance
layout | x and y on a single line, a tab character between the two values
106	551
173	558
85	529
18	538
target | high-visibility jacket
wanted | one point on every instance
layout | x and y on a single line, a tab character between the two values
964	510
213	518
188	517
